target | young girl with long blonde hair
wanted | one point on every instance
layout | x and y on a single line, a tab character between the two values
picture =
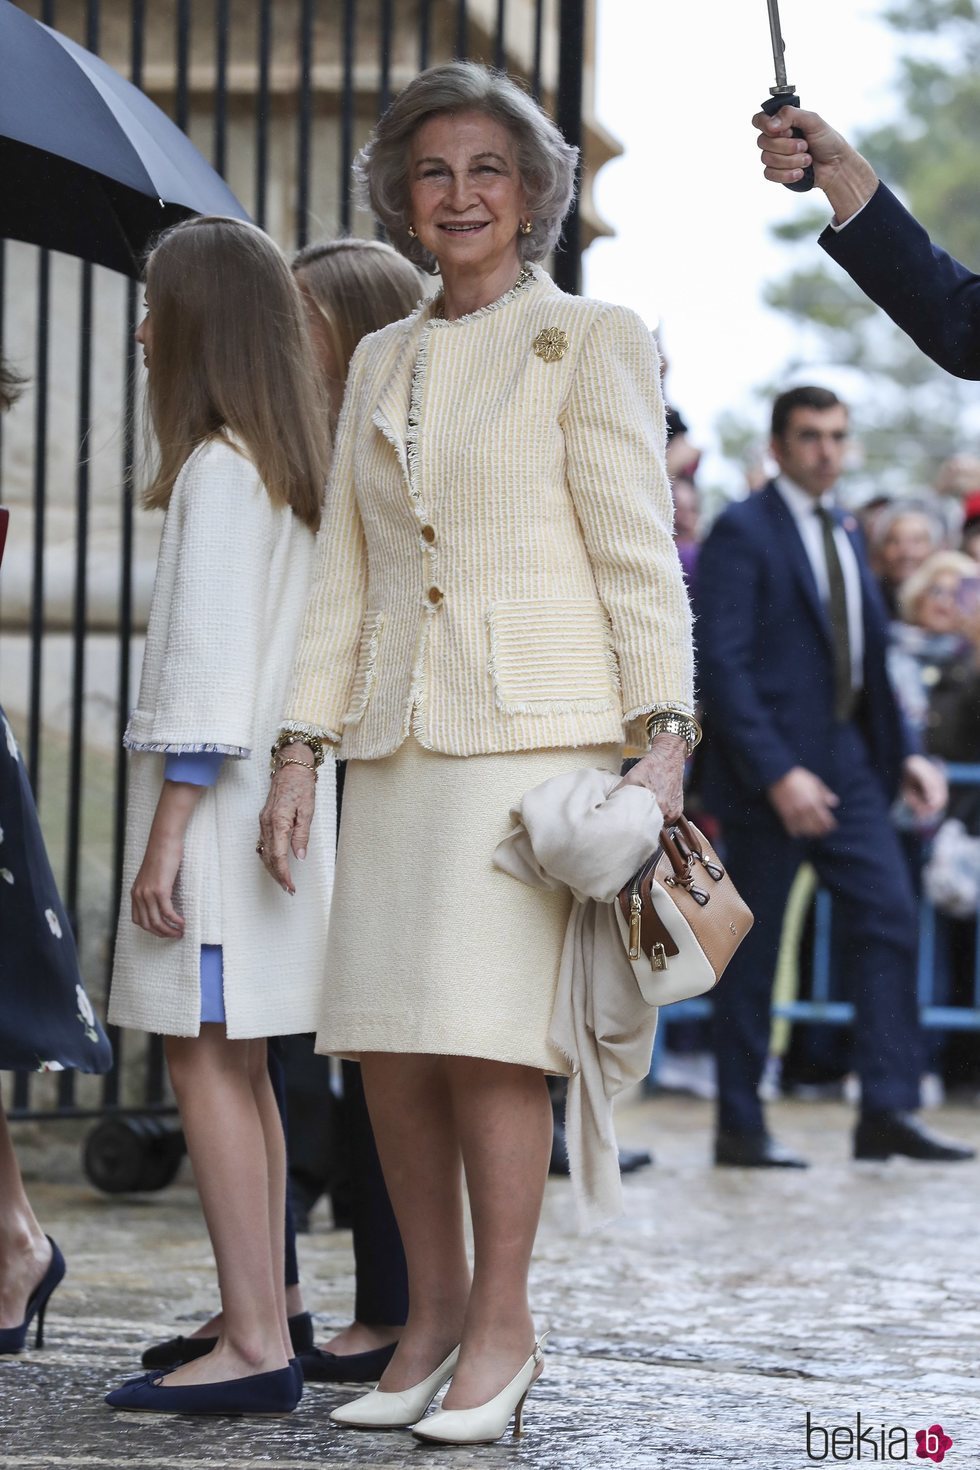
208	952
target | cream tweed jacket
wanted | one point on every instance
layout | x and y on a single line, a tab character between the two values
496	570
232	582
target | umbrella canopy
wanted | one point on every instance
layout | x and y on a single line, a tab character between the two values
89	165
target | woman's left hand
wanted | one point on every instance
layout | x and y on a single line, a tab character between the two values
662	772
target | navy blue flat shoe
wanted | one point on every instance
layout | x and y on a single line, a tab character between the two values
320	1366
12	1339
263	1394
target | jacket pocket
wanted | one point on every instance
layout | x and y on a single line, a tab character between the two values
552	656
367	657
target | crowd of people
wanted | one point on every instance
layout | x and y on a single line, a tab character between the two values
920	552
488	605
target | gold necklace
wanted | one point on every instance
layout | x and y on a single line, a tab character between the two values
439	306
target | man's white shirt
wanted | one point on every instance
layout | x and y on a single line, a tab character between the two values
803	509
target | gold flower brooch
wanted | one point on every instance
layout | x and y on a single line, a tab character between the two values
551	344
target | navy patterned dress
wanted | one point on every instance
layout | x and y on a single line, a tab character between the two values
47	1023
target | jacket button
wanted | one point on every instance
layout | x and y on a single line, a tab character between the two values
429	535
435	596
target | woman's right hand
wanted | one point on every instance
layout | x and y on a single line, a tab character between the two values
284	821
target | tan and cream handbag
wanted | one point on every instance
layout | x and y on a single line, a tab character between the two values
681	918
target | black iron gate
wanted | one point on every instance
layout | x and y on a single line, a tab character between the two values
279	96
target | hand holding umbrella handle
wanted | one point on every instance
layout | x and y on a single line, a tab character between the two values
771	106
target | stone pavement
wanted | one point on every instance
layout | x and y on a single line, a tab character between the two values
698	1332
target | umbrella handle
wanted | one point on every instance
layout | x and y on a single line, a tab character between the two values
771	106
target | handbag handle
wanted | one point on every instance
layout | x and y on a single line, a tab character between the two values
683	847
689	837
679	861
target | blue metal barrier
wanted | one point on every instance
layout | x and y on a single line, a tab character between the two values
820	1009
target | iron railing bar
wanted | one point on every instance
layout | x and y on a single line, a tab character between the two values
571	49
221	22
182	62
538	48
73	841
155	1080
127	547
462	31
262	112
425	32
40	517
347	114
42	324
385	20
76	753
384	59
499	48
305	123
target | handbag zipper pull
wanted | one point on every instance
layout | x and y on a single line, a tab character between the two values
636	911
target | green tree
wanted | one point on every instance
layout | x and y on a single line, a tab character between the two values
911	414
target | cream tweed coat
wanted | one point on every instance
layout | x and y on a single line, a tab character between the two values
496	571
231	587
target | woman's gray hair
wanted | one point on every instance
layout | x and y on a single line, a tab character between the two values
901	510
546	163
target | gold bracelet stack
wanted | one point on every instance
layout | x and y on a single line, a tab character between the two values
674	722
303	765
287	738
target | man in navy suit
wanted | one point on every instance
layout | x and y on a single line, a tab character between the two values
881	246
805	751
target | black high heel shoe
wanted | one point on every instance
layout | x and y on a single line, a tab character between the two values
12	1339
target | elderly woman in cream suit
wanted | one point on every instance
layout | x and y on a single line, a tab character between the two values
498	600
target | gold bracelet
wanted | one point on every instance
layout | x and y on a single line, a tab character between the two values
305	765
674	722
294	737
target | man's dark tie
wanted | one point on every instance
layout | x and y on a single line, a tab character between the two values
837	607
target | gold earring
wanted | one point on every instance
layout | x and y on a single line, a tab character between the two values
413	232
527	226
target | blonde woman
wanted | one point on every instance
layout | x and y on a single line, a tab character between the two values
498	600
351	288
206	952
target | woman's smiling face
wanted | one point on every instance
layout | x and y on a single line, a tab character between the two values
467	197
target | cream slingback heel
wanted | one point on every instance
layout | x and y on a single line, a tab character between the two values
381	1409
487	1422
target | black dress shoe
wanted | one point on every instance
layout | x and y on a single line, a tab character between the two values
320	1366
178	1350
755	1151
630	1159
880	1135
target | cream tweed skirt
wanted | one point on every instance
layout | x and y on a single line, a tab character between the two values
430	948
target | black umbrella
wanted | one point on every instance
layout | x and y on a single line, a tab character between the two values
783	94
88	164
